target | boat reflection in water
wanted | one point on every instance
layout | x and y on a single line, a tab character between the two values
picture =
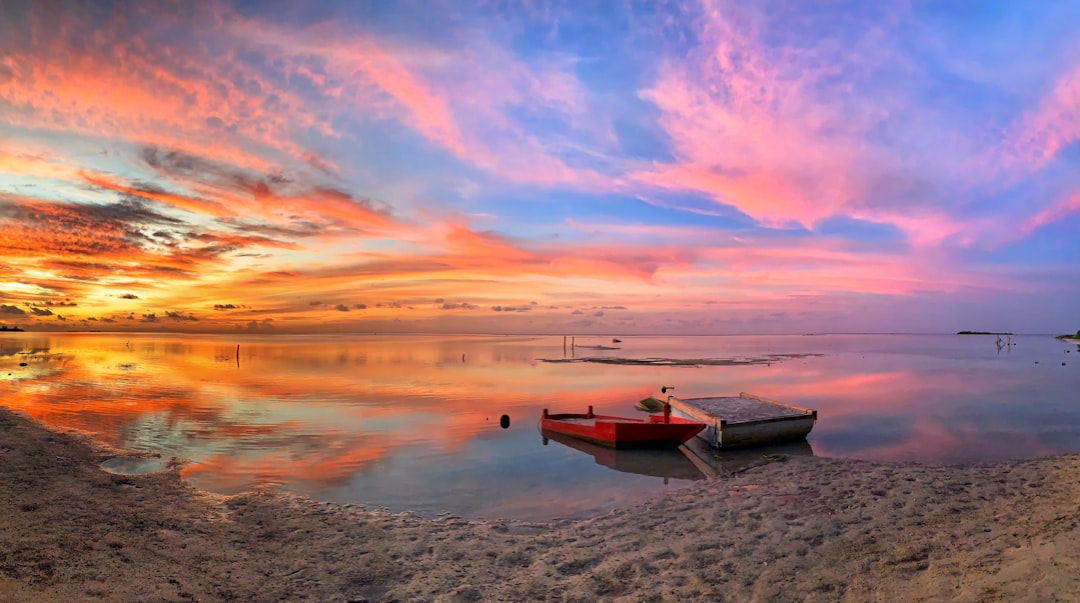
694	460
735	460
668	463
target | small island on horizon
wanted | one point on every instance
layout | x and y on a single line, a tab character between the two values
9	329
982	333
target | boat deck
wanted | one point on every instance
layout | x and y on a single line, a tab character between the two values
744	420
737	409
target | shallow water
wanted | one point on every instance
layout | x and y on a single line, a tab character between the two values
412	422
123	465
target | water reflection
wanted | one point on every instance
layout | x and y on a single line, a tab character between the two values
664	463
735	460
415	422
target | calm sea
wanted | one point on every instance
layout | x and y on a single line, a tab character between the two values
413	422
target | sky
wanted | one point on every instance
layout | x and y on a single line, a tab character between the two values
532	167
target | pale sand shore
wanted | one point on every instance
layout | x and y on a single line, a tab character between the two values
801	529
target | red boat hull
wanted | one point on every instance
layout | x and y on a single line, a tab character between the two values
654	431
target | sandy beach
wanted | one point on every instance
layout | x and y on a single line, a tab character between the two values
792	529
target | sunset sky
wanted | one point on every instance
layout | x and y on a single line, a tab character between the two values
572	168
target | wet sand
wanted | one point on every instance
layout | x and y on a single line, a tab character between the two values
795	529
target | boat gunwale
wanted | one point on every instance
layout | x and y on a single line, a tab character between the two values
615	419
615	444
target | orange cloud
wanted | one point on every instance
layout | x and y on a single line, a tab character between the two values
206	207
41	165
150	91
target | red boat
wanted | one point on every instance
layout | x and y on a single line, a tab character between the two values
654	431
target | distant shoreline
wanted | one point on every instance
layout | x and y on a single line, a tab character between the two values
586	336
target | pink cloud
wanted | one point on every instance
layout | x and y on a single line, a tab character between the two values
747	129
460	99
1040	134
427	111
790	135
367	75
213	100
1060	210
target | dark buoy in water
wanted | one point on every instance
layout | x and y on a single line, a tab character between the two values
504	421
22	364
